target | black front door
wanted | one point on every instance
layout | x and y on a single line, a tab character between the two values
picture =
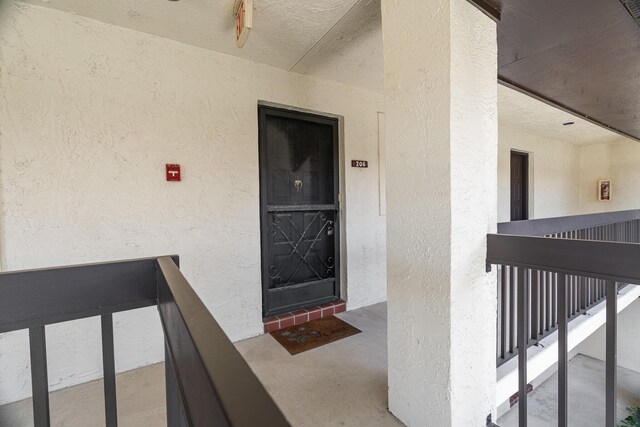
299	209
519	186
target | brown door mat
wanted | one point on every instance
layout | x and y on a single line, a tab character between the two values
313	334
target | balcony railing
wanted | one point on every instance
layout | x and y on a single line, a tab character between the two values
583	292
570	263
208	383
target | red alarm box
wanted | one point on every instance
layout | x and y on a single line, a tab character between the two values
173	172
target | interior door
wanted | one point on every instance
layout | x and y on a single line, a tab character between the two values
519	186
299	209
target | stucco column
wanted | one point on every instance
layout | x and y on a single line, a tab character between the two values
440	61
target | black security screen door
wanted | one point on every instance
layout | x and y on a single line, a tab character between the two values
299	209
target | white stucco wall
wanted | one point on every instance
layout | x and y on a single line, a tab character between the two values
554	174
86	128
618	161
628	343
440	60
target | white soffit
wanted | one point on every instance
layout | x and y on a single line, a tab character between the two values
283	32
338	40
520	111
351	52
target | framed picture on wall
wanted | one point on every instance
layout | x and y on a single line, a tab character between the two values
604	190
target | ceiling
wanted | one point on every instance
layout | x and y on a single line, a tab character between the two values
339	40
581	55
284	30
521	111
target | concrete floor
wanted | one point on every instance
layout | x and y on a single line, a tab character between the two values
586	396
141	402
339	384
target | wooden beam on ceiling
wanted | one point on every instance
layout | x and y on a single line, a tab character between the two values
581	56
490	7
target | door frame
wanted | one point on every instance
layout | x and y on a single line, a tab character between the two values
339	190
526	179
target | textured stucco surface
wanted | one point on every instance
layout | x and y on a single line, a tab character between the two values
283	31
618	161
628	343
520	111
89	115
441	136
554	174
351	52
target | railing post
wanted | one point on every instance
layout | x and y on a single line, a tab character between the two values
39	379
612	354
563	322
175	411
109	369
523	335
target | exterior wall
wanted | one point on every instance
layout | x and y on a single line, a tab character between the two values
618	161
554	174
86	128
440	60
628	343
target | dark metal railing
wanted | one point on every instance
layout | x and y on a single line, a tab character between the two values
207	380
210	384
610	262
582	292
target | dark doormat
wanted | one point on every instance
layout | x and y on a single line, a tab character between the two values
313	334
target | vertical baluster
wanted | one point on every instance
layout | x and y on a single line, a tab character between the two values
587	292
554	300
513	294
535	304
612	354
580	286
499	330
504	305
569	285
542	301
523	328
39	379
563	355
587	289
541	287
549	301
574	298
109	369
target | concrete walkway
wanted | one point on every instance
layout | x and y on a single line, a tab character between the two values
586	396
339	384
141	402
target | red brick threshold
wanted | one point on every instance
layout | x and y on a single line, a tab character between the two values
285	320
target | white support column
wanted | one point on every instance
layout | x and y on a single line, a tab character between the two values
440	60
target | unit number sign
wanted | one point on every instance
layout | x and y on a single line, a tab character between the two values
359	164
